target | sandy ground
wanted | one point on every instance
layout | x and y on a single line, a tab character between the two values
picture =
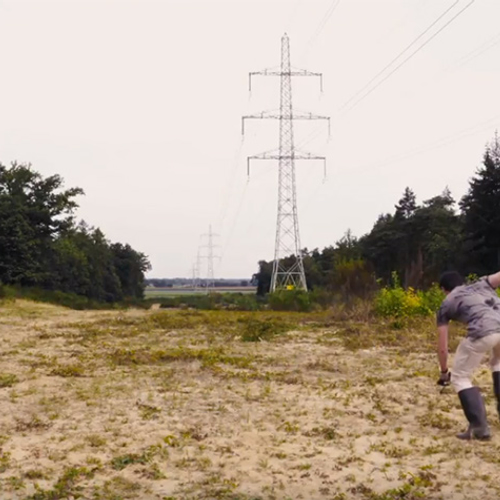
154	405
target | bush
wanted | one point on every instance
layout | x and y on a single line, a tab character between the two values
396	302
290	300
212	301
433	297
255	330
321	297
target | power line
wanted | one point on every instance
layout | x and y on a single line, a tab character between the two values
402	23
439	143
235	220
484	47
414	53
326	18
322	24
401	53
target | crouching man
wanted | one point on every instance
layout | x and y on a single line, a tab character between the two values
478	306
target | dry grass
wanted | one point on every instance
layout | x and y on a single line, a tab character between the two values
225	405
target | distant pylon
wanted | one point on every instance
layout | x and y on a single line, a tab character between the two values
196	271
289	273
210	281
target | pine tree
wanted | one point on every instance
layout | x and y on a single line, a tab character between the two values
481	210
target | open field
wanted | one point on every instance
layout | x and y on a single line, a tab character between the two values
187	405
151	293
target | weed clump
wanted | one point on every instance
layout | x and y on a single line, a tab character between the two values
8	380
66	486
67	371
256	330
122	461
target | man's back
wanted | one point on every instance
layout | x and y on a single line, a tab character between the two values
477	305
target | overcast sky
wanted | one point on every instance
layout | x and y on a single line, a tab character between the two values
140	104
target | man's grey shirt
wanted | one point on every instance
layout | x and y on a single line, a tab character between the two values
477	305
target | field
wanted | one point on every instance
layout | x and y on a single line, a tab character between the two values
227	405
151	292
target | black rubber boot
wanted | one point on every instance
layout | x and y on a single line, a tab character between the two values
496	389
475	411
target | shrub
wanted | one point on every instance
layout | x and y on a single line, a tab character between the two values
233	301
396	302
290	300
255	330
321	297
433	297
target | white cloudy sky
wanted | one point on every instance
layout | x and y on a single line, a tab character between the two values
139	102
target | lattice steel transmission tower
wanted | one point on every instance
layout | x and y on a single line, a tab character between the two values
210	282
287	273
196	271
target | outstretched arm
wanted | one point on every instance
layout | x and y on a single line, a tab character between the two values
494	280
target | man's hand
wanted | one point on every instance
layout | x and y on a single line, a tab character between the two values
444	378
494	280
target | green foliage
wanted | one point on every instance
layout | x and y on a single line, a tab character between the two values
396	302
290	300
8	380
207	357
122	461
481	214
418	241
352	278
432	298
4	461
256	329
119	463
33	211
66	486
213	301
42	248
65	299
321	297
68	371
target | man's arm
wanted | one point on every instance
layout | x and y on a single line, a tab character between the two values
494	280
443	347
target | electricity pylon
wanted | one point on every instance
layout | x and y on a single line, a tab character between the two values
210	283
287	274
196	271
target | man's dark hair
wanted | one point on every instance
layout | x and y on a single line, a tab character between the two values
450	280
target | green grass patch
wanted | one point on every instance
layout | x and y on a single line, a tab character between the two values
254	329
8	380
208	357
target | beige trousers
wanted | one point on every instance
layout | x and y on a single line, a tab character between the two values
468	357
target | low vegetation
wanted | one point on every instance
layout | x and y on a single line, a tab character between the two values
334	403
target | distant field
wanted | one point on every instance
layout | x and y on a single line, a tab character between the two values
170	292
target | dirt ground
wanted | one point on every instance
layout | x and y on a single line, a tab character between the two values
176	405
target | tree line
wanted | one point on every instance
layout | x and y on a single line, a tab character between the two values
416	243
42	245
